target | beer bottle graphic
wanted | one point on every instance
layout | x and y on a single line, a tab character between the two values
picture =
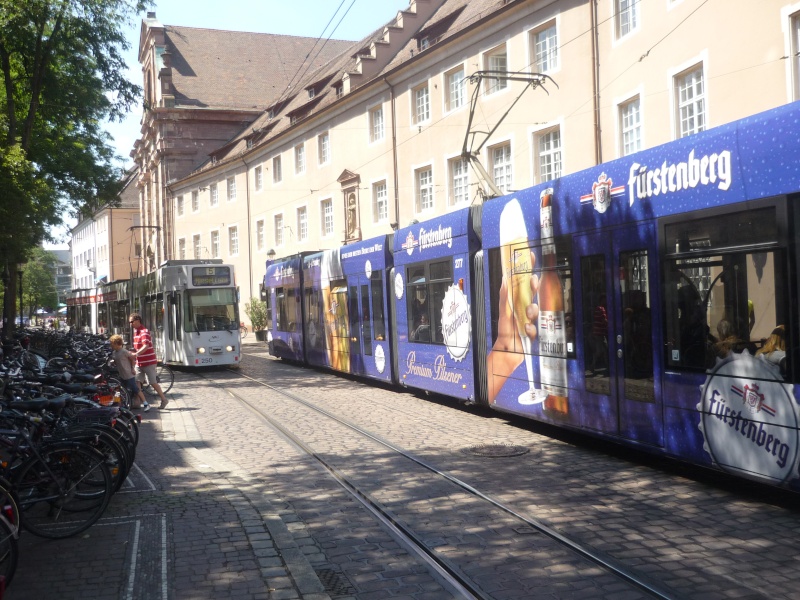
515	256
551	330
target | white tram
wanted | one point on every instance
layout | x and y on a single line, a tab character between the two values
189	306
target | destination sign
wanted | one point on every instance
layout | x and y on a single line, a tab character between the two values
208	276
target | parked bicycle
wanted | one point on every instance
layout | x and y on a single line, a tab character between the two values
243	331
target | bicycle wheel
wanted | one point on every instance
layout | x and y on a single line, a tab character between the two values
9	550
117	455
243	331
165	377
62	491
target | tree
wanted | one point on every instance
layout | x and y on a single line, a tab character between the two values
38	283
63	76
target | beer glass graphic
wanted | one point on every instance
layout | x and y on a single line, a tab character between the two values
515	255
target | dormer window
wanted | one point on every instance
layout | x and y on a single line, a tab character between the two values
213	160
249	142
339	89
424	43
271	113
311	93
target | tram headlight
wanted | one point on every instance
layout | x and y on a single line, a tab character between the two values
201	350
230	348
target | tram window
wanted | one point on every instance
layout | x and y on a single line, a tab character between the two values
210	310
562	266
722	302
366	321
428	284
313	318
595	323
378	319
268	301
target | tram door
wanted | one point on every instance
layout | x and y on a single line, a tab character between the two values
621	332
358	298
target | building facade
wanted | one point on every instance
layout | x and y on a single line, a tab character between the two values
457	101
106	245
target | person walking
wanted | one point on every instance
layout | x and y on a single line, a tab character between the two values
145	356
125	361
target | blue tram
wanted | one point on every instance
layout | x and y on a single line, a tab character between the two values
648	300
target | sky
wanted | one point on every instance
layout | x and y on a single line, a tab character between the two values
338	19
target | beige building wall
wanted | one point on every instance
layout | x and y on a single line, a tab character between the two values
739	50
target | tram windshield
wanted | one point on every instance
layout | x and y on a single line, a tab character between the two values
211	310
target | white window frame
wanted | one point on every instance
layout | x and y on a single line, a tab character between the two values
455	88
627	18
496	59
548	153
424	197
214	236
326	217
231	186
420	104
545	52
380	202
213	196
630	125
790	17
302	224
179	205
195	200
277	169
689	104
260	235
502	170
300	159
197	246
458	178
324	148
233	240
376	124
258	178
278	226
181	248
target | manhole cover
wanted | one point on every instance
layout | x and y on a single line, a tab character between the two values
496	450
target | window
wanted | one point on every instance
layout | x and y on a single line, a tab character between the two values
277	175
422	104
231	189
690	101
459	180
233	240
214	200
259	178
326	210
260	235
545	49
627	16
376	124
427	286
215	244
182	249
195	201
723	284
496	60
179	206
380	202
630	127
501	167
300	159
424	185
455	88
198	249
548	148
324	148
339	89
302	224
279	230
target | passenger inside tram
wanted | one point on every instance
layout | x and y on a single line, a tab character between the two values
774	349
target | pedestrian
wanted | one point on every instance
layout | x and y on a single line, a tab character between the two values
145	356
126	362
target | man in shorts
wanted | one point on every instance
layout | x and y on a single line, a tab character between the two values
145	356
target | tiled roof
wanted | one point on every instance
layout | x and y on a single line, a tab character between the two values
238	70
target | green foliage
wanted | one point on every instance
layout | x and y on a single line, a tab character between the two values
256	311
38	282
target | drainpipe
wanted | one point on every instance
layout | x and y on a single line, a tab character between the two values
396	224
598	147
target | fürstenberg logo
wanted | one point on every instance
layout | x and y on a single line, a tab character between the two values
435	237
706	170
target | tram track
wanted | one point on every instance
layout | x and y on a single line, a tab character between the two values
449	569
